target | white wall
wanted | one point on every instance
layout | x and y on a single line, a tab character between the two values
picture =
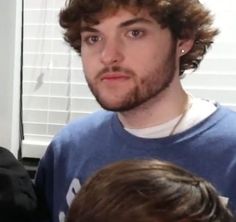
10	37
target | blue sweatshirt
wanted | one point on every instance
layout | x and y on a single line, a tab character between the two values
84	146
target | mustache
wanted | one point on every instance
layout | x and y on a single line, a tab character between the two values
115	69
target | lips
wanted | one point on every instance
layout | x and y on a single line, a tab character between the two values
114	76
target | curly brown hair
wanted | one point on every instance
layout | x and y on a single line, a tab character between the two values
186	19
150	191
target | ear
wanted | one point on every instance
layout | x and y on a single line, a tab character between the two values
184	46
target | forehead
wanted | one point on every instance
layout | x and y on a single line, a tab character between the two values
116	17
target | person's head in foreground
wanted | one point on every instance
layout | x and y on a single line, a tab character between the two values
132	50
147	191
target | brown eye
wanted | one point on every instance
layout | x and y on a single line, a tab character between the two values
136	33
91	39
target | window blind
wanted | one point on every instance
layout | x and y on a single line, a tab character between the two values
54	88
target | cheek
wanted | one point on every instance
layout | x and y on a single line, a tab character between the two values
145	54
144	62
87	63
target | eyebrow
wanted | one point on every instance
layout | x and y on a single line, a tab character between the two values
87	28
134	21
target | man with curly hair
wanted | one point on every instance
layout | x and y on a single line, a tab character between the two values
133	54
147	191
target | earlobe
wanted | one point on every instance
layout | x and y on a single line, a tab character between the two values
184	46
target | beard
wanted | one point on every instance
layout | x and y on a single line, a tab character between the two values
155	81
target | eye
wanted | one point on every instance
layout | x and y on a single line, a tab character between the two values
91	39
136	33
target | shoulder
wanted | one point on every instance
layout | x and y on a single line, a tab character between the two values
219	131
9	164
72	142
227	110
81	131
226	117
16	191
216	133
92	122
6	157
221	124
96	119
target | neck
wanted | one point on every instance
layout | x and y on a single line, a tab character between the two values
158	110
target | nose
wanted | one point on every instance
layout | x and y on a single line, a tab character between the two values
111	53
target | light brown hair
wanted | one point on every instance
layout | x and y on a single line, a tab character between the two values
147	191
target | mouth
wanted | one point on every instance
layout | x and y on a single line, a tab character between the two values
114	76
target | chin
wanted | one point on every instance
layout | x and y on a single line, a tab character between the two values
110	107
117	107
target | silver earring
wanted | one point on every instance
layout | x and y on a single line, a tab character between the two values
182	51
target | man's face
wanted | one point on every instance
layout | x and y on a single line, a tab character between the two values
128	59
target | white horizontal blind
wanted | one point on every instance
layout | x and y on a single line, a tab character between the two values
216	77
54	89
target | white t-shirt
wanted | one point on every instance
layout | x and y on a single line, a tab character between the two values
200	109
